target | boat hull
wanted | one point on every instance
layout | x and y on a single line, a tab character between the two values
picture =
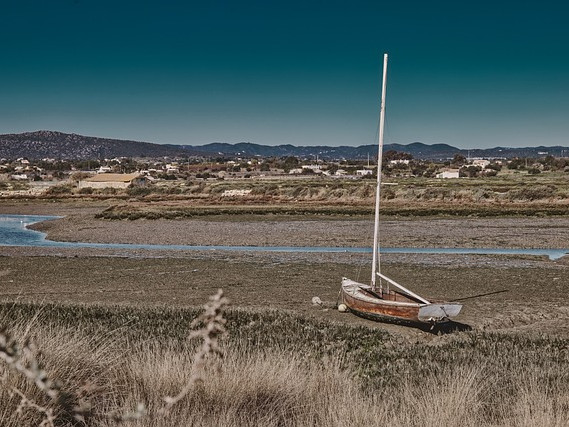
398	308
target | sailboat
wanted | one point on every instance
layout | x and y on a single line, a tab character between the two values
384	299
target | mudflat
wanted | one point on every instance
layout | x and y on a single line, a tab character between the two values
500	292
79	224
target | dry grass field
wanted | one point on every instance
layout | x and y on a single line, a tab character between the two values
509	194
277	369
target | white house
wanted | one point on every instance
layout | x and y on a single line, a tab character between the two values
295	171
235	193
481	162
448	174
363	172
114	180
19	177
172	168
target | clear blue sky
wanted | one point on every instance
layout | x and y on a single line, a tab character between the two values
470	74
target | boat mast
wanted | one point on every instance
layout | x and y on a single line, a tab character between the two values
376	265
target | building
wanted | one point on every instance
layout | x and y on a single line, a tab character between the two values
481	162
296	171
364	172
172	168
19	177
448	174
236	193
114	180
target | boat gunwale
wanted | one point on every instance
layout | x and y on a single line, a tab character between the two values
360	294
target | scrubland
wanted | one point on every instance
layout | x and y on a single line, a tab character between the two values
505	195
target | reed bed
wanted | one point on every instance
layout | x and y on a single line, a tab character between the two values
344	209
275	369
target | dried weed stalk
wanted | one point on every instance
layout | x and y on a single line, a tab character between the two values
212	327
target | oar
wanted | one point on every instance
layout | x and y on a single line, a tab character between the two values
481	295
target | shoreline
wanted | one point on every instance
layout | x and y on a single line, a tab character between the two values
44	223
80	225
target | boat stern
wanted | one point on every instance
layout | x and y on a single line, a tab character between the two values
438	312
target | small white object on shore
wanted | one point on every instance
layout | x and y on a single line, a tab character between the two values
316	301
342	308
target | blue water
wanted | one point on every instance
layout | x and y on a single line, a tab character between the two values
13	232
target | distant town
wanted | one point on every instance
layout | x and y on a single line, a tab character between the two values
23	176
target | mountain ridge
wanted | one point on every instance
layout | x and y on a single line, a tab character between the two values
71	146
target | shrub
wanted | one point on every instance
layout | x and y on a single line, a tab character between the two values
86	190
59	190
533	193
109	191
138	191
388	193
533	171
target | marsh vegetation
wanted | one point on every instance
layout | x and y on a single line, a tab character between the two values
505	195
280	369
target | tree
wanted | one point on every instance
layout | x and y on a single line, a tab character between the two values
332	168
494	166
470	171
395	155
515	163
290	163
459	159
548	160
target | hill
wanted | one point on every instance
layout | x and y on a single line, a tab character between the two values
58	145
417	149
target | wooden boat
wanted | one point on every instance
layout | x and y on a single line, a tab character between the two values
385	299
